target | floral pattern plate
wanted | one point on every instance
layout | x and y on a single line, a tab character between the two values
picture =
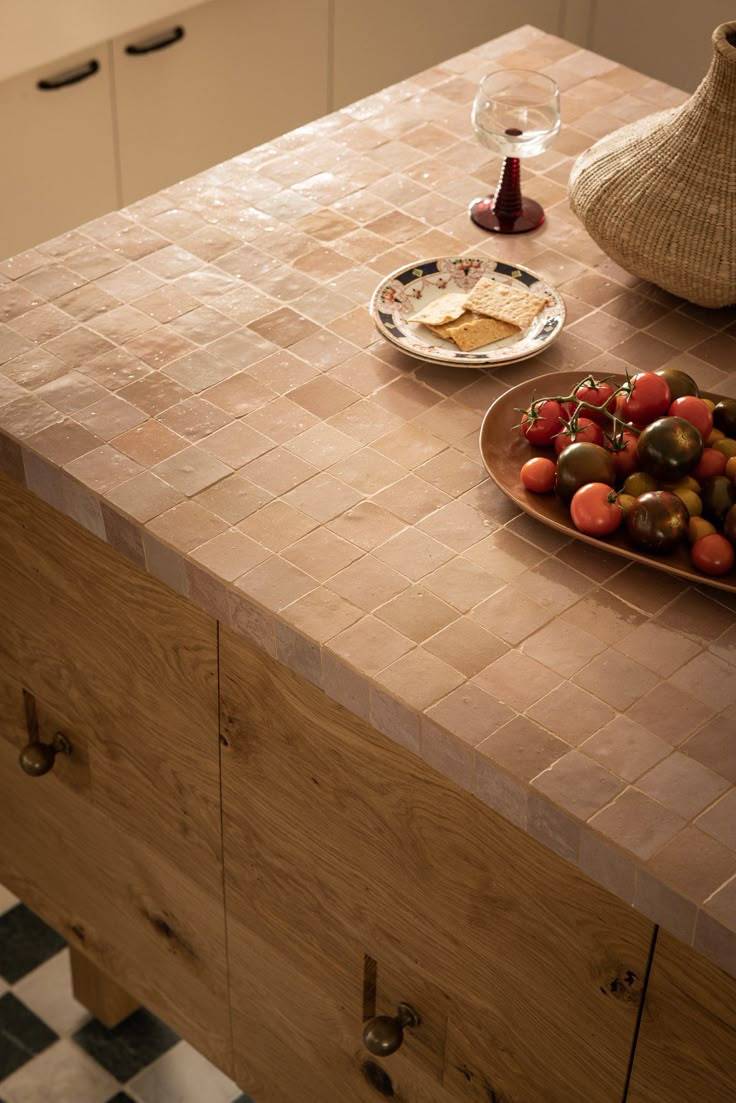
408	289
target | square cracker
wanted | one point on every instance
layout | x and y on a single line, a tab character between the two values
508	302
445	308
471	331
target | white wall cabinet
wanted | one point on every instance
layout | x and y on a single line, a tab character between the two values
228	75
57	159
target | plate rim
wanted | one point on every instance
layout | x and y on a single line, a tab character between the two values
470	363
631	555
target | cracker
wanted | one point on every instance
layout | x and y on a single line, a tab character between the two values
509	302
472	331
444	309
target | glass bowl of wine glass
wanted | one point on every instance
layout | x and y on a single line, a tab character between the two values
516	112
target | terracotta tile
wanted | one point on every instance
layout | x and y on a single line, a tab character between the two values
158	347
40	324
321	614
191	470
536	533
366	525
193	419
451	472
238	395
27	415
451	756
462	583
167	303
322	446
419	678
413	553
369	645
616	679
165	564
504	555
718	350
644	588
364	374
281	420
278	471
470	714
725	646
457	525
522	748
321	554
411	498
322	497
236	444
607	866
670	713
664	905
517	680
417	613
577	784
186	526
103	468
323	350
283	326
658	648
149	443
682	784
714	746
233	498
695	615
719	821
637	823
626	748
394	719
153	392
565	653
123	535
230	554
44	479
603	615
277	525
368	583
716	939
275	583
510	614
709	680
110	416
34	368
144	496
722	905
77	345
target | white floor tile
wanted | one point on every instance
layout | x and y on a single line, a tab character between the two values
7	900
63	1074
182	1076
48	992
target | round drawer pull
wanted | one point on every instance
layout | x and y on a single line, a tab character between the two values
384	1034
36	758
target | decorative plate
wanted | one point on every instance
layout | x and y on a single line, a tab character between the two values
503	451
408	289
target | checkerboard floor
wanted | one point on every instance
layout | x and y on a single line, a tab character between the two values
53	1051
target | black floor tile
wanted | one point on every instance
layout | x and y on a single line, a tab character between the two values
129	1047
22	1035
240	1099
25	943
121	1097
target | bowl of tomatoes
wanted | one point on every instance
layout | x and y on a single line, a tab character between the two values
642	464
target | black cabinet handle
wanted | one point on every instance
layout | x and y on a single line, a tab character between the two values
158	42
73	76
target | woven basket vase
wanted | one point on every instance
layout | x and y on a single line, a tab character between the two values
659	195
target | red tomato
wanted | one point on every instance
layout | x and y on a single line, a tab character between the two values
712	462
650	398
624	457
587	432
546	423
595	509
599	395
695	411
538	475
713	554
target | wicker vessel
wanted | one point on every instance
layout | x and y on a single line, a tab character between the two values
659	195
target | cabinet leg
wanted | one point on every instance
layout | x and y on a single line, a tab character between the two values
102	997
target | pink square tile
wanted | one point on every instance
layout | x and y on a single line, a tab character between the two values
278	471
658	648
670	713
110	416
563	652
393	719
322	498
193	419
144	496
411	499
368	645
240	394
510	614
578	785
321	614
682	784
233	498
191	470
236	444
186	526
470	714
719	821
714	746
626	748
522	748
230	554
709	680
694	864
417	613
321	554
275	583
277	525
413	553
419	678
616	679
149	443
637	823
517	680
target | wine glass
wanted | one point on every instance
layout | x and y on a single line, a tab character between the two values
516	112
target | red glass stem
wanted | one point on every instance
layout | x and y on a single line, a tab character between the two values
507	202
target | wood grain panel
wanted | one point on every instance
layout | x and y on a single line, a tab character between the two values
687	1042
119	847
339	843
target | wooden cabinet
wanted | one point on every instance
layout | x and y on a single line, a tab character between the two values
222	77
382	42
342	850
119	847
686	1049
58	155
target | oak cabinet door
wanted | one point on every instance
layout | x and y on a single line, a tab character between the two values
119	847
58	155
686	1049
218	79
340	845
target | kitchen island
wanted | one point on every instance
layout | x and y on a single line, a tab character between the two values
321	723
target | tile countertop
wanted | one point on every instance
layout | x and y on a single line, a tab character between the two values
196	380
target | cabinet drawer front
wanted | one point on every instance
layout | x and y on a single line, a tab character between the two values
58	156
353	845
119	846
236	75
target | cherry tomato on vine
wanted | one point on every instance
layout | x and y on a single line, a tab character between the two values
598	395
650	398
712	462
713	554
547	421
538	475
595	510
695	411
585	432
623	449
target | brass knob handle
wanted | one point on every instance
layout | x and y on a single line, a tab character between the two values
384	1034
36	758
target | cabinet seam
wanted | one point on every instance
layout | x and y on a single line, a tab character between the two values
222	854
639	1015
